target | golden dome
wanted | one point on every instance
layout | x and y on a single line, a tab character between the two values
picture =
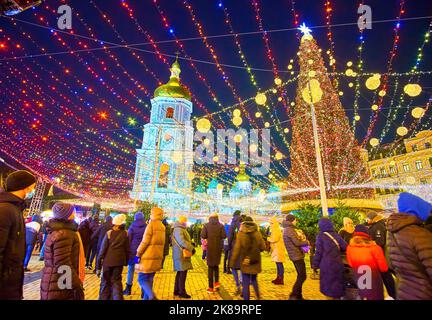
173	88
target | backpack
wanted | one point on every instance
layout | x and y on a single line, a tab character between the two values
253	253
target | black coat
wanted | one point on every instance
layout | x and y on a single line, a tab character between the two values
378	233
214	232
101	232
12	246
115	249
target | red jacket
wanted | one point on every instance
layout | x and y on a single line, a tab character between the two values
362	251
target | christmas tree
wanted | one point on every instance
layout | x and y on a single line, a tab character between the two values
341	155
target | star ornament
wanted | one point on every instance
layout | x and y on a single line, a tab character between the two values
306	31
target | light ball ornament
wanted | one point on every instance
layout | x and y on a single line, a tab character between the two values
286	130
253	148
257	114
238	138
279	156
278	81
402	131
203	125
412	89
373	82
191	175
382	93
312	92
261	99
374	142
357	118
236	113
237	121
220	187
374	107
418	112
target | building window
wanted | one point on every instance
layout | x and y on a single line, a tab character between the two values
374	172
383	172
392	169
406	167
169	113
419	164
427	145
163	176
414	147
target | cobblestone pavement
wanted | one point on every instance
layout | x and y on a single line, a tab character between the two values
196	283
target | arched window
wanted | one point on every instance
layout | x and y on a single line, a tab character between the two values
163	175
169	113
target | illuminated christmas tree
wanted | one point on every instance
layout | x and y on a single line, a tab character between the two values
341	155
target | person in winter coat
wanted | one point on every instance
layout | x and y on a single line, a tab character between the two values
167	240
32	232
149	254
135	234
277	248
347	230
363	254
113	255
410	248
377	229
247	250
226	269
100	235
63	248
85	233
19	185
214	233
232	235
329	246
45	235
94	227
293	244
181	240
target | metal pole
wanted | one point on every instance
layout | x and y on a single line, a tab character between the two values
319	164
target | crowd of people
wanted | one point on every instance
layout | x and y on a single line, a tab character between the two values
393	252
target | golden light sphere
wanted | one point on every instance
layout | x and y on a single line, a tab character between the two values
341	93
238	138
237	121
291	60
274	90
290	66
286	130
413	90
260	99
279	99
236	169
357	118
373	83
215	159
220	187
257	114
349	63
278	81
236	113
374	107
382	93
310	61
374	142
418	112
267	124
292	104
278	156
314	94
350	84
203	125
312	73
206	141
402	131
253	148
349	72
191	175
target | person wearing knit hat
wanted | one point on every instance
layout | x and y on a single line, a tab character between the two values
363	251
63	211
113	255
63	247
19	186
295	241
410	247
135	234
182	249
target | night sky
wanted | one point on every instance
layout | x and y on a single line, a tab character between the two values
46	126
